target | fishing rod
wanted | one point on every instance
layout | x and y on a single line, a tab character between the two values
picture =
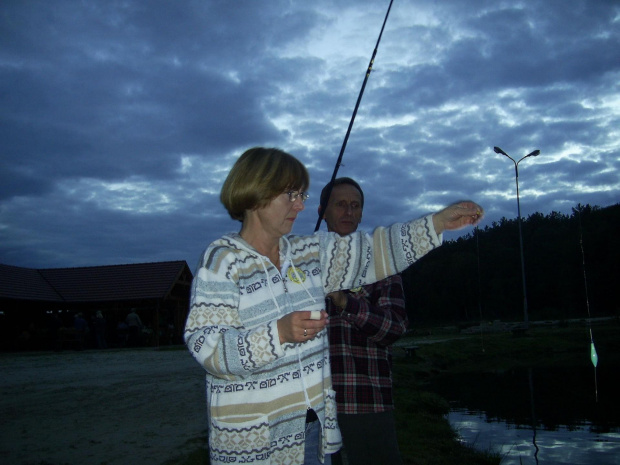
346	137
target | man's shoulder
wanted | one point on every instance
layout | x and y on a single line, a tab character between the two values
386	282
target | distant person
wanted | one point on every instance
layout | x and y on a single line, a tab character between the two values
55	325
135	325
256	321
81	329
122	333
363	323
99	326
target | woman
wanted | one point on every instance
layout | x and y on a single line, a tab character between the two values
254	296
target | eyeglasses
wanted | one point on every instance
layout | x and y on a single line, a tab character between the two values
292	196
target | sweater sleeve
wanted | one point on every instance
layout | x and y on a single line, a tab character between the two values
214	333
360	258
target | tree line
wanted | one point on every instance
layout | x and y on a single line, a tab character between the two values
572	268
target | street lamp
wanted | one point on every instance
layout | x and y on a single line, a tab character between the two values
516	163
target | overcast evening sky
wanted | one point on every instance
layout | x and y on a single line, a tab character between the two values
119	120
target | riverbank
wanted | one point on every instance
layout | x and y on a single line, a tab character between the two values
425	435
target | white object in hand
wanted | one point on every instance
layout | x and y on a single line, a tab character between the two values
315	315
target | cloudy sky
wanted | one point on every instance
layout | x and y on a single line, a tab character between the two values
119	120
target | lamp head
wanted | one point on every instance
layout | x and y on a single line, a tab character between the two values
498	150
535	153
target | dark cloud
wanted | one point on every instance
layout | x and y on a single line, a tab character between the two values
120	119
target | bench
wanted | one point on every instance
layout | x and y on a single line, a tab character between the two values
70	337
519	330
410	350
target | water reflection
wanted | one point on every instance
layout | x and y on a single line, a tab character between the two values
531	416
576	446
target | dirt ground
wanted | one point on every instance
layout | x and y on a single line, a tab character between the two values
112	407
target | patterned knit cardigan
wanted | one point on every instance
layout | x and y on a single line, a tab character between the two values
258	390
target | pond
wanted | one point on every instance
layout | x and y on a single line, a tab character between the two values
543	415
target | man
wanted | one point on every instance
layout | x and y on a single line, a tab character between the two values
363	323
134	323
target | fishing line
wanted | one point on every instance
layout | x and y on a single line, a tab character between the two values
593	354
531	383
346	137
477	233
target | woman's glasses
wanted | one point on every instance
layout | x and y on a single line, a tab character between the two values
293	195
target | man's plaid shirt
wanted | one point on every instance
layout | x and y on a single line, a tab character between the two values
360	336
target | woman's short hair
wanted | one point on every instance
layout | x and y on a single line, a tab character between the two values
259	176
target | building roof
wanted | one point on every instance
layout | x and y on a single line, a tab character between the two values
89	284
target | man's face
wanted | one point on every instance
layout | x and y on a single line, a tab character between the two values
344	210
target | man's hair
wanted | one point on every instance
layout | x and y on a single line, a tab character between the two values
258	176
337	182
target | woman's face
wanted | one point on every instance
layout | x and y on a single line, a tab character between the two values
279	215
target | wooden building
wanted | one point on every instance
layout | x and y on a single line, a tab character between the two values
38	306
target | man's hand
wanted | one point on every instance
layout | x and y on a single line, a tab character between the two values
338	298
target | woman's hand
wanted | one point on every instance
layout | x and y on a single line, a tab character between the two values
300	327
457	216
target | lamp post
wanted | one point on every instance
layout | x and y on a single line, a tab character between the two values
516	163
